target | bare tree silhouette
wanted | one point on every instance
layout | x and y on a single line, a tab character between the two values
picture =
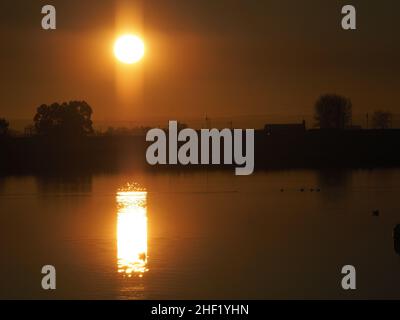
333	111
382	119
66	119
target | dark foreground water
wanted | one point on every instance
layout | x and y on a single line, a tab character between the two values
200	235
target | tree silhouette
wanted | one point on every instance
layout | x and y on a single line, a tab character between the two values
333	111
382	119
4	125
66	119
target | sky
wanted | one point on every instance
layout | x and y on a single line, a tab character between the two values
223	58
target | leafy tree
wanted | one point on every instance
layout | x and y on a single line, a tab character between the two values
382	119
66	119
333	111
4	127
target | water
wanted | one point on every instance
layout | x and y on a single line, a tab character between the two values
200	235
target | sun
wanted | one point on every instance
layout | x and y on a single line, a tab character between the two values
129	49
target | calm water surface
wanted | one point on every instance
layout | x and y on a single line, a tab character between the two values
200	235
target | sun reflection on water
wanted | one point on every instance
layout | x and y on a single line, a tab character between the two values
132	231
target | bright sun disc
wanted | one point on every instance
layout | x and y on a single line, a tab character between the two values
129	49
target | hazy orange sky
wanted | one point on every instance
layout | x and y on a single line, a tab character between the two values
223	58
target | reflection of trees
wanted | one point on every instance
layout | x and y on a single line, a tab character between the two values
334	183
333	178
64	183
2	184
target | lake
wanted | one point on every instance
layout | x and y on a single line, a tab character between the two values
200	235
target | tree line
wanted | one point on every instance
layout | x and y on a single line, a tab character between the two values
333	111
74	118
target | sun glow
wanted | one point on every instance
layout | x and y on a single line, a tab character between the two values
132	232
129	49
